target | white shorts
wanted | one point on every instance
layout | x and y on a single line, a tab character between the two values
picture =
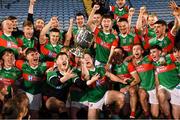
35	101
97	63
153	97
74	104
175	95
99	104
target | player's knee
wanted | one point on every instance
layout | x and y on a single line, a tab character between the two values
143	95
132	92
162	96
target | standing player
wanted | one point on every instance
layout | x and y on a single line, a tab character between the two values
167	82
104	39
147	89
126	39
126	70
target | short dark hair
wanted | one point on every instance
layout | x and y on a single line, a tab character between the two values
40	19
60	54
54	30
8	50
80	14
107	16
161	22
138	44
156	47
12	18
30	50
123	20
98	12
27	23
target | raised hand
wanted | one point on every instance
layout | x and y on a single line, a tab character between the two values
173	5
93	79
142	9
32	2
69	74
131	11
71	21
96	7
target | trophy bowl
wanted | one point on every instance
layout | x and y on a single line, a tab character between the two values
84	38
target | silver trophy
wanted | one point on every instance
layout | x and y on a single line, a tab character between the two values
83	41
84	38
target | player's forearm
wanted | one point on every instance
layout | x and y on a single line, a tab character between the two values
43	33
68	35
114	77
31	9
139	22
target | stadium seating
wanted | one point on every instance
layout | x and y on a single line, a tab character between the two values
153	6
64	9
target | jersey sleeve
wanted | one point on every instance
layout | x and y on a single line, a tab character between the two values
96	31
20	42
136	39
112	8
19	64
171	45
49	64
115	42
131	68
53	80
47	52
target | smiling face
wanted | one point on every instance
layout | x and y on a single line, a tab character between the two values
151	20
159	30
33	58
120	3
176	53
62	62
137	51
7	26
155	54
89	61
9	59
28	31
97	18
80	20
54	38
39	24
106	24
123	27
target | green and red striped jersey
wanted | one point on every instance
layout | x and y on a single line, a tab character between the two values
126	42
8	42
104	42
167	43
33	78
120	13
49	51
26	43
10	76
146	71
167	74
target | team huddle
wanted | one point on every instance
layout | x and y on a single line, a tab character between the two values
105	63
